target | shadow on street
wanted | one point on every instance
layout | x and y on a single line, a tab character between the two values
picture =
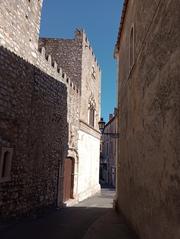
91	219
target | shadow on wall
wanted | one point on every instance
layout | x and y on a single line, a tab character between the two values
34	131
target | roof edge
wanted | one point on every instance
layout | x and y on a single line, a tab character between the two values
124	9
110	121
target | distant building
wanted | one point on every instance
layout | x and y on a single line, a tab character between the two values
109	152
148	167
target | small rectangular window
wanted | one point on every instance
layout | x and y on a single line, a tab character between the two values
5	164
91	117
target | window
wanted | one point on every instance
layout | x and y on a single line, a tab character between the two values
91	116
131	48
5	164
93	73
91	111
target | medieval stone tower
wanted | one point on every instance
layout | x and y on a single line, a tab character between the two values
50	97
20	24
78	60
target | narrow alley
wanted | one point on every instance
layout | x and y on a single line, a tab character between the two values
89	119
93	218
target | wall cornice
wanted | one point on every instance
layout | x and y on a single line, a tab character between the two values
89	130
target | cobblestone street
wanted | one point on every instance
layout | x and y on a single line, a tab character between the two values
90	219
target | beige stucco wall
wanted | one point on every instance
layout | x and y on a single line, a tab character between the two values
88	168
148	186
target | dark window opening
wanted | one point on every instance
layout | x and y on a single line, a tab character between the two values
5	165
91	116
93	72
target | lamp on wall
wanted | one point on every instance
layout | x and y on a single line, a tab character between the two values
102	127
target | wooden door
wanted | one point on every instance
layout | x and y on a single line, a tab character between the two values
68	179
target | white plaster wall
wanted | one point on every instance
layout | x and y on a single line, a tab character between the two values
88	170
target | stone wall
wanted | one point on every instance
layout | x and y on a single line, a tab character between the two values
19	32
76	57
91	83
58	54
149	105
67	53
33	122
20	23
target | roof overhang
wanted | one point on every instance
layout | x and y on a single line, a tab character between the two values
116	50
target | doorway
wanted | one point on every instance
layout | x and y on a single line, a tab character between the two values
68	179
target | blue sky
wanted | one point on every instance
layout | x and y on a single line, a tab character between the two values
100	19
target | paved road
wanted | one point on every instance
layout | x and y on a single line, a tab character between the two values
93	218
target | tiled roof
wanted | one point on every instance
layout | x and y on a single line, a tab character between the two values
121	26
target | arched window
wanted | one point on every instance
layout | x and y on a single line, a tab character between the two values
131	48
91	111
91	116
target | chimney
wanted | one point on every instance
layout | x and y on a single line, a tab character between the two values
115	111
110	116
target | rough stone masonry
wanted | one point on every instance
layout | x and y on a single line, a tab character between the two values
44	113
33	122
148	184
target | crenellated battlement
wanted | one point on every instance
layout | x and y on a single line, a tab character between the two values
72	54
51	67
80	34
